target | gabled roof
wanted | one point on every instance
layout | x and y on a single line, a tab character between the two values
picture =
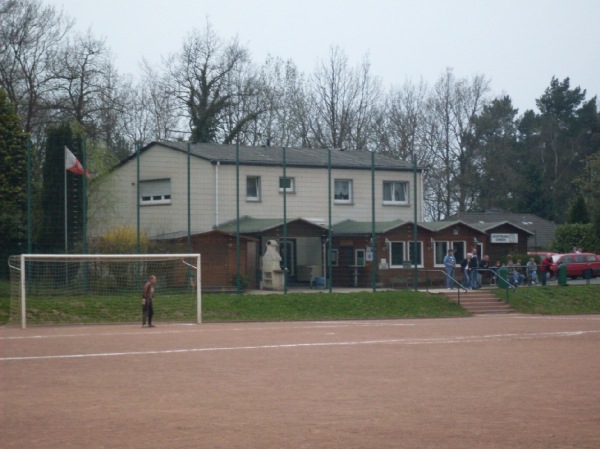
273	156
348	227
437	226
485	227
352	227
250	225
541	230
183	234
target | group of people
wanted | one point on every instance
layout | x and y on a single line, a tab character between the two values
472	270
531	271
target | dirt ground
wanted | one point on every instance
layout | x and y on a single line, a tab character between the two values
482	382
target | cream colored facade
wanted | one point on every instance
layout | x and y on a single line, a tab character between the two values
113	200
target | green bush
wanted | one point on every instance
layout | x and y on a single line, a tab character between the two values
581	235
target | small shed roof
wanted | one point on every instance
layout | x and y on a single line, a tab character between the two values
250	225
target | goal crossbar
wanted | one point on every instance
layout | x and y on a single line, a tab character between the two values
191	261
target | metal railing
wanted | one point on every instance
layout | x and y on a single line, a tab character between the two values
462	287
455	282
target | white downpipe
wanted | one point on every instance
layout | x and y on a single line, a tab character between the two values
217	219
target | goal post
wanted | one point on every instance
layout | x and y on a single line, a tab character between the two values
103	288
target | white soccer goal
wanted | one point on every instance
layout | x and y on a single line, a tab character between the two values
103	288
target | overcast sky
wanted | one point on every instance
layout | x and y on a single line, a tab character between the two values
518	44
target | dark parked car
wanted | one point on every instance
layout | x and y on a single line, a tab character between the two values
582	264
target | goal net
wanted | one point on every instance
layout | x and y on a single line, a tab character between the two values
101	288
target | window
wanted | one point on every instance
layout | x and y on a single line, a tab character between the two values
419	255
253	188
479	249
359	257
342	191
441	249
459	251
287	184
334	258
156	191
395	192
396	254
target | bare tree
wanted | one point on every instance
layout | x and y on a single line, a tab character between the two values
401	126
245	86
279	85
451	109
30	37
344	103
201	76
153	113
80	74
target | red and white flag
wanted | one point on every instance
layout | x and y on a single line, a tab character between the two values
72	164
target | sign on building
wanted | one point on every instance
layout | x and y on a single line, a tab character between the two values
504	238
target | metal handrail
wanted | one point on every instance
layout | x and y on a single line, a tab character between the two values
507	282
447	276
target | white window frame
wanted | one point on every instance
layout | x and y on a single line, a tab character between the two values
402	251
405	186
479	250
408	253
445	252
155	192
292	184
258	192
335	257
360	257
463	251
350	198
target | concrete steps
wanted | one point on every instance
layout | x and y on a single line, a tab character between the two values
479	302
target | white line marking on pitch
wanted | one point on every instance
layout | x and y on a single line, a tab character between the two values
409	341
146	333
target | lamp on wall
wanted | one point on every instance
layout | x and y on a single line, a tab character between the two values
430	244
455	230
387	242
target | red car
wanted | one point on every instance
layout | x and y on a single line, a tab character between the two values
578	264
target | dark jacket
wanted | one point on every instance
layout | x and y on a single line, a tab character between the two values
474	263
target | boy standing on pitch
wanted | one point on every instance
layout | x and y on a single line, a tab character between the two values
147	299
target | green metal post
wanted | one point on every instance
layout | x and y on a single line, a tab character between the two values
329	233
189	200
373	235
29	202
137	202
190	274
415	250
238	283
84	247
285	252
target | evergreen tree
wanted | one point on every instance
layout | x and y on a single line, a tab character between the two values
495	137
567	131
596	232
13	180
578	212
52	235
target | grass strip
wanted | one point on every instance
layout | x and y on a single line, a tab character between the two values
554	300
327	306
181	307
